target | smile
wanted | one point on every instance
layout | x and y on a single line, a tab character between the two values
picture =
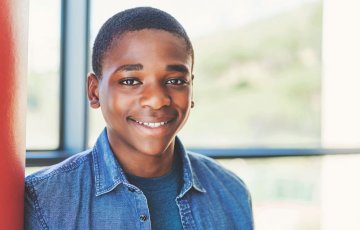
152	124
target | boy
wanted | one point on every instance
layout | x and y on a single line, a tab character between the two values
138	175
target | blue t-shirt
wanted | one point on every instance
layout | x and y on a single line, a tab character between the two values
161	193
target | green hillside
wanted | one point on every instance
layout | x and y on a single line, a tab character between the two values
260	84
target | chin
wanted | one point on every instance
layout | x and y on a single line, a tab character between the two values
155	149
152	152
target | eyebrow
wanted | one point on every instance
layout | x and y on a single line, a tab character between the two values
130	67
177	68
137	67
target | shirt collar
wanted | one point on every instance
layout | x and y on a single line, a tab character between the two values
191	180
107	170
108	173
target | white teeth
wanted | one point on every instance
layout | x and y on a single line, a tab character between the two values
152	124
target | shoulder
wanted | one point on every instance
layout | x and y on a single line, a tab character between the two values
223	189
68	166
208	169
202	162
45	195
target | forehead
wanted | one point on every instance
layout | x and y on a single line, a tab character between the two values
147	44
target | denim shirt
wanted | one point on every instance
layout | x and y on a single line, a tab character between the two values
90	191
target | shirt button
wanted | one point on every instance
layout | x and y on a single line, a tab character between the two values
143	218
131	189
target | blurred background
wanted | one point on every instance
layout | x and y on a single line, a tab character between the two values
274	102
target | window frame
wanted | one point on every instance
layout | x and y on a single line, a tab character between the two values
73	103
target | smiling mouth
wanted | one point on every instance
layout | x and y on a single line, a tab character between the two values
151	124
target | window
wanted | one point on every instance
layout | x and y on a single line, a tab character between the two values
43	114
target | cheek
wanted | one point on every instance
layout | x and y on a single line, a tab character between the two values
113	103
182	99
120	103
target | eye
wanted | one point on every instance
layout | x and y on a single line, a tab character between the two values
176	81
129	82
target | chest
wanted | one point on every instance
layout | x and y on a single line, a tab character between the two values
126	208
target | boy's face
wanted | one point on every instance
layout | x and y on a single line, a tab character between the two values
145	91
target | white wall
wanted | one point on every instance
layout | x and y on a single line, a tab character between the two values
341	114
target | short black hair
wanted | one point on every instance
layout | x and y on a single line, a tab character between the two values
134	19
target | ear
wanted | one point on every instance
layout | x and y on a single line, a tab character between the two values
192	89
93	90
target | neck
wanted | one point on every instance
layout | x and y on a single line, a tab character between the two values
148	166
145	165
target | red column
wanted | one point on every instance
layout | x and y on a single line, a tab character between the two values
13	63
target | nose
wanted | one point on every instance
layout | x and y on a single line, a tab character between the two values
155	97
